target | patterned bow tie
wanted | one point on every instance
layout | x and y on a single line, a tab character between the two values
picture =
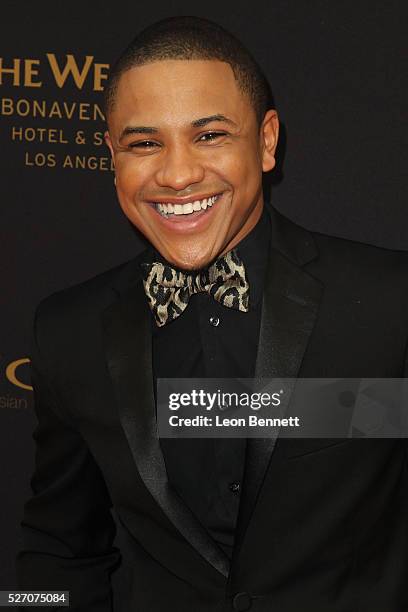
168	291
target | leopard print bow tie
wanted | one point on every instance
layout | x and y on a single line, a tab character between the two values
168	291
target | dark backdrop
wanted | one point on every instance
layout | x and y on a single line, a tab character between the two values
338	72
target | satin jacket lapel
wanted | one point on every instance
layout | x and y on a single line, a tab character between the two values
290	305
129	358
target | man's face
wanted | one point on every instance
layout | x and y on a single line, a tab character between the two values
189	157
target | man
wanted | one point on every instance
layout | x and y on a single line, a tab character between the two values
227	287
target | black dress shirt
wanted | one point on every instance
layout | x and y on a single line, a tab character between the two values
209	340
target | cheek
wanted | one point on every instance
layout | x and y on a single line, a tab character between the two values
133	175
238	165
128	188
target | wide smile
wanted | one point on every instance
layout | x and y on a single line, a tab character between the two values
189	215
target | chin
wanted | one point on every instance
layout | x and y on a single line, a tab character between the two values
185	258
187	263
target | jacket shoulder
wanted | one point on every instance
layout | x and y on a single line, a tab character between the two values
302	245
369	259
79	306
351	269
342	263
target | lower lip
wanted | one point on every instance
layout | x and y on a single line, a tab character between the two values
192	221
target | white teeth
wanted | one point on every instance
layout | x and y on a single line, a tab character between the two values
184	209
187	208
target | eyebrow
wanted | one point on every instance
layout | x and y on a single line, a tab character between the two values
202	122
205	120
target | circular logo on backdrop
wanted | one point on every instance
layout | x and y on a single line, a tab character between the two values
12	373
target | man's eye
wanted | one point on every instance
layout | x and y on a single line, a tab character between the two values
210	136
143	144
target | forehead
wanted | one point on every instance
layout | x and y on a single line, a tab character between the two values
168	90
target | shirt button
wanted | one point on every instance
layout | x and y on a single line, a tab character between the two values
214	321
235	487
242	602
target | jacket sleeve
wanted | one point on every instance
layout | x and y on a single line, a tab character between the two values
67	525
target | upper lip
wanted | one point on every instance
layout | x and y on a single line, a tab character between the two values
183	200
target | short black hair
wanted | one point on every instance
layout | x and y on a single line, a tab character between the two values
190	38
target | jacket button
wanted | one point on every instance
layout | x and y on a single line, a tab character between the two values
242	602
235	487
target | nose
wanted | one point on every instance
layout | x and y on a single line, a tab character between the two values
179	168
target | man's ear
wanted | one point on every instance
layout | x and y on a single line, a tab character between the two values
108	141
112	152
269	133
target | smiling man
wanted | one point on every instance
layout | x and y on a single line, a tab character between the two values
189	163
226	287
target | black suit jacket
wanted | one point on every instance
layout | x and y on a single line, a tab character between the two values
323	523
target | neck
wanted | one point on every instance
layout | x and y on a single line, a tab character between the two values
248	226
